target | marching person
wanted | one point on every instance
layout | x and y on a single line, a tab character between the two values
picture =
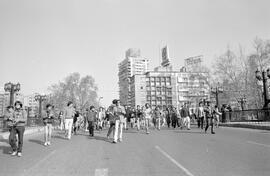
216	115
91	118
111	118
68	116
138	117
19	121
61	118
147	116
9	118
119	112
168	116
174	117
184	112
157	117
200	115
48	120
209	117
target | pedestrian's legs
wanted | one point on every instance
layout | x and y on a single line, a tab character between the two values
138	124
207	124
49	133
116	131
121	125
159	121
212	125
147	124
217	121
201	122
112	125
46	131
20	130
188	122
69	127
13	139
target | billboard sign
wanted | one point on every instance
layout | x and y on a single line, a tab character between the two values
165	56
193	60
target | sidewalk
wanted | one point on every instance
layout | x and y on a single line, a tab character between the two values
251	125
28	130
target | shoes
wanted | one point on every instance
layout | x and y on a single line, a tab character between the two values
120	140
46	143
13	153
147	132
188	129
213	132
114	142
19	154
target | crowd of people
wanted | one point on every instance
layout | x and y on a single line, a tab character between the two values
116	118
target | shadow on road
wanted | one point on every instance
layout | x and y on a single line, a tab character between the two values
100	138
36	141
59	137
190	132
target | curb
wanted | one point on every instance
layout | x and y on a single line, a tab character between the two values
257	127
27	131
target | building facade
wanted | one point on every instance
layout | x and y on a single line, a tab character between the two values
165	87
133	64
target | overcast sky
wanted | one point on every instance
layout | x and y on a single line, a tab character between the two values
41	42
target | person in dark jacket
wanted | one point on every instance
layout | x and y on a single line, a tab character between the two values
174	117
209	117
184	112
91	118
168	116
20	119
9	119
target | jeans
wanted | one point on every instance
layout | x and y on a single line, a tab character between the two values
48	132
13	139
209	120
147	124
68	126
200	122
91	126
112	126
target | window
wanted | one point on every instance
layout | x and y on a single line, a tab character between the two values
153	97
152	79
163	79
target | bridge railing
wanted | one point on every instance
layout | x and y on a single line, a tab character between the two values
254	115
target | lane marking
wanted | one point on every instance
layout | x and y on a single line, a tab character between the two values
187	172
101	172
264	145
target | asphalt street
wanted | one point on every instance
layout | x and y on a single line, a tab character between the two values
230	152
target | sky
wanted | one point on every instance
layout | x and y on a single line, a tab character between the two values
42	42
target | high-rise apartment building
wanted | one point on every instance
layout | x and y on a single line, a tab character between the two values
133	64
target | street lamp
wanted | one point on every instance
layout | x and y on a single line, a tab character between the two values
264	76
12	88
40	99
217	90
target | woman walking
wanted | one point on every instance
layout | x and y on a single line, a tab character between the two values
68	116
147	116
48	120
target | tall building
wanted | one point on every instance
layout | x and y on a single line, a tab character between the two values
133	64
4	102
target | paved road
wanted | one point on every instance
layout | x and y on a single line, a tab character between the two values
230	152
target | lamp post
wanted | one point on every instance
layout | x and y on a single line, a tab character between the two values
40	99
12	88
264	76
216	91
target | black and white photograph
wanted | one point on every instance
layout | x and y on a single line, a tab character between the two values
134	88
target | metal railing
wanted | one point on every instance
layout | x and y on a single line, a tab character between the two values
254	115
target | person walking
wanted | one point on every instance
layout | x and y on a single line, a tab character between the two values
147	116
61	119
184	112
91	118
209	117
174	117
216	115
168	116
157	116
10	121
200	115
68	116
138	117
111	118
19	122
119	112
48	121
